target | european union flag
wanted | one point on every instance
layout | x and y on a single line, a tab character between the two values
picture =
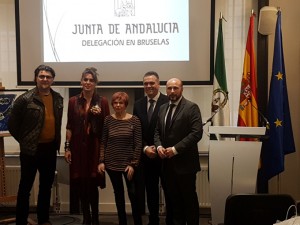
281	139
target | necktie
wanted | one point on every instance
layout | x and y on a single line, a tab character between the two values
169	116
150	110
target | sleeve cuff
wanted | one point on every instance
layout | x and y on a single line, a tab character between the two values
174	150
144	149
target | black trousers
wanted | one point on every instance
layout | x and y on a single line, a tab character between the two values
184	200
116	178
152	175
43	161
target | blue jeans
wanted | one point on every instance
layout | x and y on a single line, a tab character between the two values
43	161
117	182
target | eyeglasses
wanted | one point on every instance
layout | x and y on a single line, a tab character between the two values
42	77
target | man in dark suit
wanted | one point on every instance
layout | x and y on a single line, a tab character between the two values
147	109
176	139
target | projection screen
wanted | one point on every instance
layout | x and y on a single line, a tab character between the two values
123	39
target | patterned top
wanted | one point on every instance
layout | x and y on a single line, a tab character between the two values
121	143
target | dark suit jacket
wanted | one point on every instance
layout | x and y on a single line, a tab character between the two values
140	110
184	134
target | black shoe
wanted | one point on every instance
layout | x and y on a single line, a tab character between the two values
87	221
95	222
46	223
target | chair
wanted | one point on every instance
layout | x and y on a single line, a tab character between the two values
257	209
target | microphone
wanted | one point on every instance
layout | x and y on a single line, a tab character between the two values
266	122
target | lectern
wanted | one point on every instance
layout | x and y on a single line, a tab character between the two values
233	164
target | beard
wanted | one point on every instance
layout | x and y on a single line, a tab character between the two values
174	98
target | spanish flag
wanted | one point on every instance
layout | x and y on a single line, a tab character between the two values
248	111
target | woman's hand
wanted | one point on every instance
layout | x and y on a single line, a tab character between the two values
130	171
68	156
96	110
101	168
150	151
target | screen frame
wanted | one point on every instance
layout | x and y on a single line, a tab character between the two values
133	84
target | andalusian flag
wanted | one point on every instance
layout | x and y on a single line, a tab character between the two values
281	139
248	111
220	103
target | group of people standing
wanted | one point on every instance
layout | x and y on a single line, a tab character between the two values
159	139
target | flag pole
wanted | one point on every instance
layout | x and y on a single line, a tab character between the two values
278	184
220	105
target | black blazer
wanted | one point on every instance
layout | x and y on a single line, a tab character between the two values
185	132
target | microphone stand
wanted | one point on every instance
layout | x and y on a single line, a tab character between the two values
213	137
266	122
210	118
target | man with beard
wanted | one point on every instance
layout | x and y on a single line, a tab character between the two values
178	130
